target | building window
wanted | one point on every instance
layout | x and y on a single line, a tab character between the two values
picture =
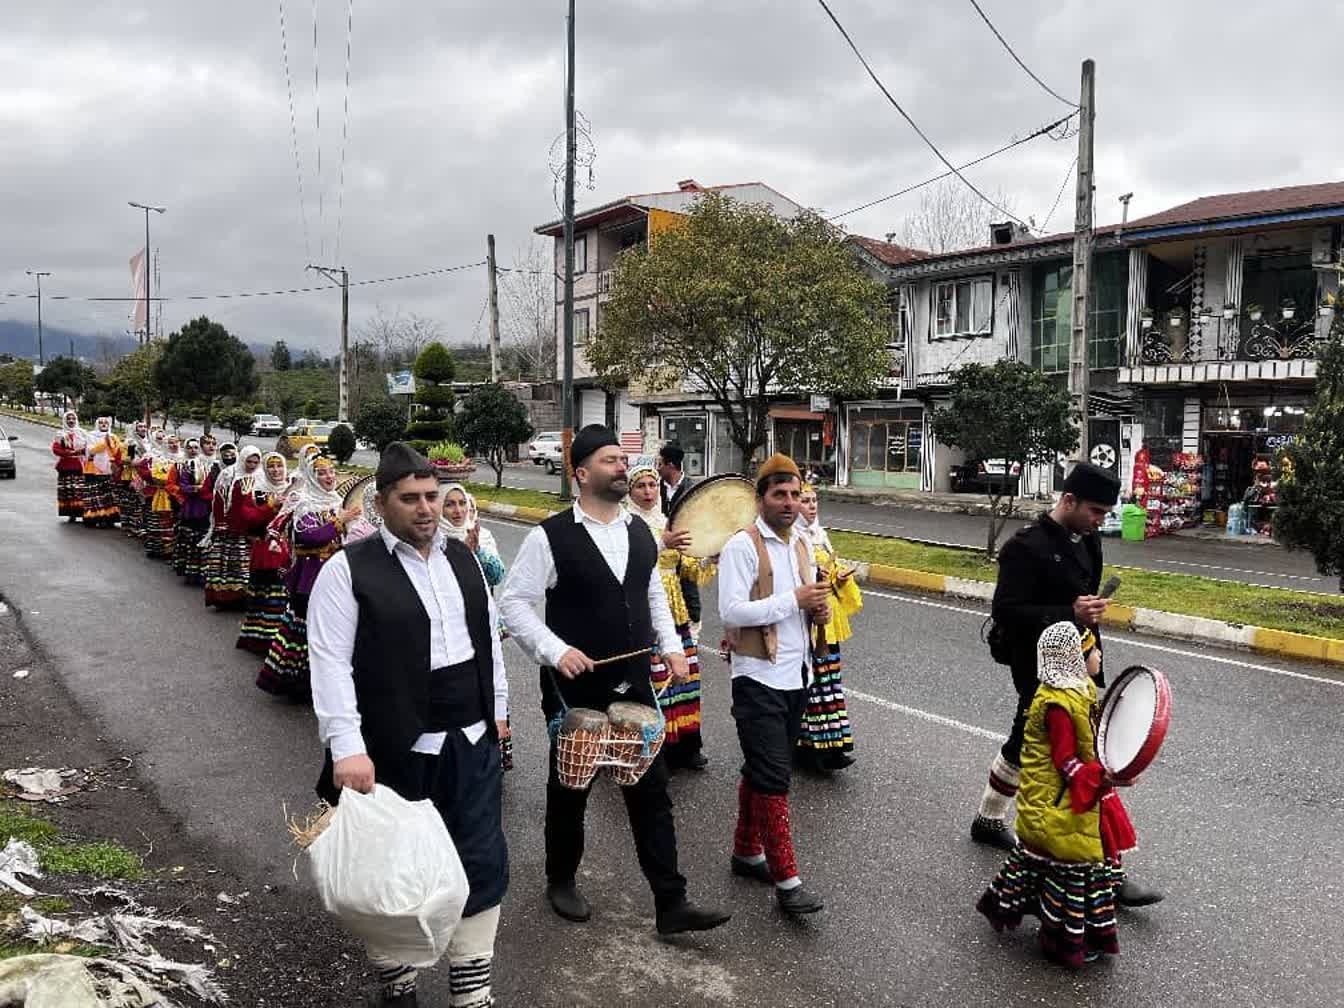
898	346
1052	313
804	441
580	260
963	307
580	255
889	441
580	326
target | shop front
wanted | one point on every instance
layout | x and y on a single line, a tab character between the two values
807	437
886	446
1244	445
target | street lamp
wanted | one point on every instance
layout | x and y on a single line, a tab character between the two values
146	208
39	274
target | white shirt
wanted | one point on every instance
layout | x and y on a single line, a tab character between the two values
333	615
738	568
533	574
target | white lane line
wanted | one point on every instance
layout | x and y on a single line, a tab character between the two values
923	715
1238	570
1132	641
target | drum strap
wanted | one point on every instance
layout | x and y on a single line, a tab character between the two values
649	732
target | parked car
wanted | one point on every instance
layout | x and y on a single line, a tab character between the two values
542	447
984	475
299	423
267	425
315	433
552	456
8	466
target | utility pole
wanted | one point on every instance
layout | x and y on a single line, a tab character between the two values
494	308
567	382
39	274
1082	259
159	210
343	381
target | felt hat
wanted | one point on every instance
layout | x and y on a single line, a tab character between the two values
779	463
398	461
589	440
1092	484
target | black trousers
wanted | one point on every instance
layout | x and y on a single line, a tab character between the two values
647	805
690	591
769	722
465	784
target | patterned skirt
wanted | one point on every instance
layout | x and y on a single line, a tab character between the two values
226	570
826	728
69	494
188	554
680	703
266	600
285	670
132	504
100	502
160	528
1075	902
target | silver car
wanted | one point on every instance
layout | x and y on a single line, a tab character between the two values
8	467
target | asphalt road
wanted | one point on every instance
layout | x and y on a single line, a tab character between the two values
1239	821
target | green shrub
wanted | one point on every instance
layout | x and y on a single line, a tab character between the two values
446	451
341	443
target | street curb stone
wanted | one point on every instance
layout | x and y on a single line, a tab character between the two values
1153	622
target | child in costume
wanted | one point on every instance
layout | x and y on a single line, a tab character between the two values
1071	825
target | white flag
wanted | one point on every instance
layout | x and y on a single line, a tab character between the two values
138	279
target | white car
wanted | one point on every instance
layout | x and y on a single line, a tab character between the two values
266	425
8	467
544	447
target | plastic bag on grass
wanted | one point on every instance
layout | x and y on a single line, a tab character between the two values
388	869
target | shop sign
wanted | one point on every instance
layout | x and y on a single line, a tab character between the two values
820	404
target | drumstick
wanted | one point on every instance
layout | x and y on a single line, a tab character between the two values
622	657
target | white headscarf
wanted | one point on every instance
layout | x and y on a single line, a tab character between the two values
280	488
78	437
158	444
137	443
307	495
1059	657
237	474
170	454
199	467
484	538
653	517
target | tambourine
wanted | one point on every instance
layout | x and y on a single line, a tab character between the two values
1133	722
360	494
712	511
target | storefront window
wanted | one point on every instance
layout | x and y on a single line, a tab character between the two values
689	430
886	446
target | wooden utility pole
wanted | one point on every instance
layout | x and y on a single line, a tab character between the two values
340	275
494	307
1082	259
567	375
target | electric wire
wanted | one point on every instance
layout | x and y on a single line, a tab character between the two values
953	169
1018	59
345	126
317	139
1059	195
294	132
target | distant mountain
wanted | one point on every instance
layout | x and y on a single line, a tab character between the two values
20	339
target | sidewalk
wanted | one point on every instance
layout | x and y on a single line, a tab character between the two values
918	500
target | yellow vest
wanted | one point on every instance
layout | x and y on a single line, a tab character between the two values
1046	822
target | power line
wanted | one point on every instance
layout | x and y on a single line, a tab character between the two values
969	164
1018	59
294	132
317	138
1059	195
345	126
913	125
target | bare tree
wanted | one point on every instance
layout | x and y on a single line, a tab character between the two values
528	312
398	338
951	217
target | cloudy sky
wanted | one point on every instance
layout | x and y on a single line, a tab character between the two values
454	106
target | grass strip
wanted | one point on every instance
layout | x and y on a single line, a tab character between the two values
43	419
100	859
488	492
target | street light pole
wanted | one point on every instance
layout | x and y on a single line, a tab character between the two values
159	210
567	376
39	274
343	381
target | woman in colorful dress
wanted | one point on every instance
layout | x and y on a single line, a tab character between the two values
102	458
680	701
827	741
160	518
229	552
189	484
314	521
69	447
256	507
130	495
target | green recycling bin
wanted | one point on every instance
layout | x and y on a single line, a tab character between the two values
1133	523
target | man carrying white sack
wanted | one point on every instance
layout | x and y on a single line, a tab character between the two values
409	692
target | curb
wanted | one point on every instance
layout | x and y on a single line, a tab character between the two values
1153	622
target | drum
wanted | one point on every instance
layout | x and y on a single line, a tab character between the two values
1133	721
580	745
712	511
634	741
360	494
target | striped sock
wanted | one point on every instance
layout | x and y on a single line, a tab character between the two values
394	978
1000	794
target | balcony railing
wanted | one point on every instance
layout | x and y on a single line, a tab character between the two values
1217	339
606	281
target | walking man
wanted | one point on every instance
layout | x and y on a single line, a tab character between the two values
1049	572
673	484
769	601
409	692
595	567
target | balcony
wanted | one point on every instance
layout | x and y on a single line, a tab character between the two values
606	282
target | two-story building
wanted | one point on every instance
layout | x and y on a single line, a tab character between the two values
642	420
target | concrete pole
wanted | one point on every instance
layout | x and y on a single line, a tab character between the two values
567	376
494	307
1082	259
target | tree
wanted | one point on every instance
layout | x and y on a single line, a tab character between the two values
434	370
16	382
203	362
341	443
951	217
135	372
399	337
1009	411
236	419
312	409
1311	481
110	399
744	305
380	422
280	359
492	421
528	315
66	377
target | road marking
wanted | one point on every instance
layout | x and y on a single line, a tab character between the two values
1239	570
1131	640
924	715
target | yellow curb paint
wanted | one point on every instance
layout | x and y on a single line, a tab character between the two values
903	577
1294	645
1118	616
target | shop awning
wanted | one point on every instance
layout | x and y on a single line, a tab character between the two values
795	413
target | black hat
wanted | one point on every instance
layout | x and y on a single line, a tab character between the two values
1092	484
398	461
589	440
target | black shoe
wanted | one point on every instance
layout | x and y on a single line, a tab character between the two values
1131	894
993	833
568	902
686	916
757	871
798	901
838	761
698	763
375	998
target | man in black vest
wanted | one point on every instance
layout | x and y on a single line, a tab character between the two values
673	485
409	692
595	566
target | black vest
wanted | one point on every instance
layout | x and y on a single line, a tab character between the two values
592	611
394	690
